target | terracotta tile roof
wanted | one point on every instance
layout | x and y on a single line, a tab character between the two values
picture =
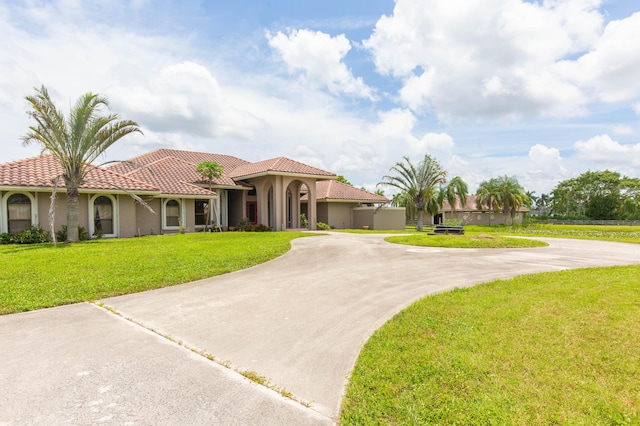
334	190
173	176
226	161
39	171
278	165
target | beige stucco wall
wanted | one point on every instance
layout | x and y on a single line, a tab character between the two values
338	214
147	223
379	219
127	216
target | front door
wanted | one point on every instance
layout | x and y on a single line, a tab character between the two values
252	212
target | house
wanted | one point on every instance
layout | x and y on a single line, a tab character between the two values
470	214
268	192
344	206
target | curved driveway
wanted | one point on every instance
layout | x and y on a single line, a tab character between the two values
299	321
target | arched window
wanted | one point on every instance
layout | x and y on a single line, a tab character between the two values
18	213
172	213
103	215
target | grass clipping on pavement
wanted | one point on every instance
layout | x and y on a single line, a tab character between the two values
551	348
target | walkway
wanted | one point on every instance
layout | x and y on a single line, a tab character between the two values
299	321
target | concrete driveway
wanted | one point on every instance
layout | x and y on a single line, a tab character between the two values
299	321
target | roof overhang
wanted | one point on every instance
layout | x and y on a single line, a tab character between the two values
63	189
288	174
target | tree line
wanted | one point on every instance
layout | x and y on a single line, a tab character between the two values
600	195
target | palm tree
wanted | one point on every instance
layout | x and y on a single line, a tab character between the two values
487	195
511	196
76	141
502	193
419	182
456	189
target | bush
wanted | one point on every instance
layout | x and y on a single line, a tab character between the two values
33	235
62	234
323	226
304	222
246	226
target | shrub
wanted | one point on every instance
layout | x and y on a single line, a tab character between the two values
323	226
62	234
304	222
6	238
33	235
245	226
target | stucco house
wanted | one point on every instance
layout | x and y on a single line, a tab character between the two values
344	206
268	192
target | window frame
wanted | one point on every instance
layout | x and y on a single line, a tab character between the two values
115	219
4	213
181	203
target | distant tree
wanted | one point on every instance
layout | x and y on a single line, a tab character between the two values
76	141
487	196
532	198
456	189
542	203
511	196
342	179
595	195
502	194
418	182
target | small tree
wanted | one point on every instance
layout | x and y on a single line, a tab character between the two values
76	141
209	170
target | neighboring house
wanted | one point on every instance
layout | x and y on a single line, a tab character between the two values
267	192
344	206
470	214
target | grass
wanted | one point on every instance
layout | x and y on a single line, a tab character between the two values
465	241
552	348
627	234
40	276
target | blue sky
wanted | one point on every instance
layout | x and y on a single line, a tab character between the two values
540	90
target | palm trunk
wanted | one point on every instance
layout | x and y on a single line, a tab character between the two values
419	220
72	214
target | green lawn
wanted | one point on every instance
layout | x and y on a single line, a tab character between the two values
629	234
465	241
39	276
553	348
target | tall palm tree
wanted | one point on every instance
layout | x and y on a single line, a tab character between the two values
456	189
76	141
419	182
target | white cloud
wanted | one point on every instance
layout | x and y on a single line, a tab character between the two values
612	67
185	98
320	59
489	59
623	130
434	144
606	152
